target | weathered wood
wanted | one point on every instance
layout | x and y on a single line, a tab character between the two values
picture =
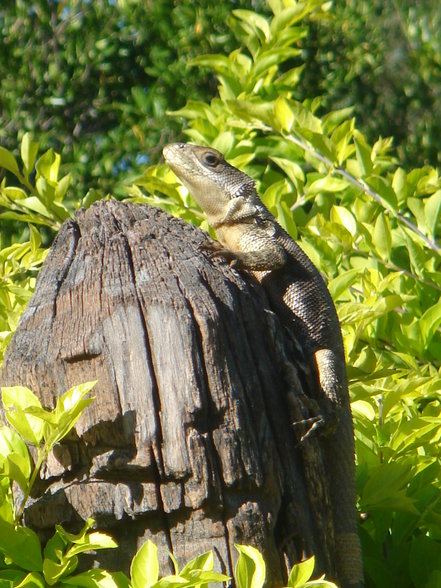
190	439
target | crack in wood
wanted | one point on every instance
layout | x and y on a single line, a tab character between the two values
189	442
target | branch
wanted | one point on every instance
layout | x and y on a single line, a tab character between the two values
362	186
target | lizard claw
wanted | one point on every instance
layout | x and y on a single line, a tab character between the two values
215	249
314	424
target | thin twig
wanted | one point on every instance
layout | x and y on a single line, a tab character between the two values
360	185
366	189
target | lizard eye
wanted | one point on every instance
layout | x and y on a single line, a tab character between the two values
210	159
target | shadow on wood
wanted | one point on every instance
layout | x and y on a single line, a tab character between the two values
190	440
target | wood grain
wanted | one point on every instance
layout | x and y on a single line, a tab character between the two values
190	440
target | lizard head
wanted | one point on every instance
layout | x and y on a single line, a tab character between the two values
211	180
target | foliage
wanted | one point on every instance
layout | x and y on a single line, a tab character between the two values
95	78
23	561
382	58
40	199
371	227
41	428
37	203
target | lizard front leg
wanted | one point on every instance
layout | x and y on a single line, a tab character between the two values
253	245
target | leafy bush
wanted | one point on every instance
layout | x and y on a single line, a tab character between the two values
36	202
23	562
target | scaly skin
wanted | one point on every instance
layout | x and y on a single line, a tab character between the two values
253	240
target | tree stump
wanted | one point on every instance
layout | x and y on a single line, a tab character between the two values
190	441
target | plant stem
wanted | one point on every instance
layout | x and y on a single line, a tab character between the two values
41	457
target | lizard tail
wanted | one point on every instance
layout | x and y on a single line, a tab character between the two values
348	552
339	451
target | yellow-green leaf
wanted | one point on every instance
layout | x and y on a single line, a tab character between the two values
301	573
144	570
250	567
8	161
284	113
382	236
29	150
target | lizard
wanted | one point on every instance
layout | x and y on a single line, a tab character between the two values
252	240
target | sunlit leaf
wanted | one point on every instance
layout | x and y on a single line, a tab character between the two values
29	150
382	236
250	568
8	161
144	570
301	572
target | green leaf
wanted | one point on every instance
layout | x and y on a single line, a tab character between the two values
11	442
363	153
70	399
386	489
382	236
13	193
216	61
301	573
429	322
11	577
383	188
62	186
432	210
16	400
93	541
29	426
322	144
284	216
289	16
258	22
21	546
7	507
144	570
268	59
292	169
48	165
26	218
172	582
205	561
327	184
203	577
53	571
68	410
62	549
344	217
425	558
18	468
36	205
29	150
250	567
97	579
342	282
8	161
400	184
32	580
283	113
34	238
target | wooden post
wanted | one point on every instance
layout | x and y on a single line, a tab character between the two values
190	441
